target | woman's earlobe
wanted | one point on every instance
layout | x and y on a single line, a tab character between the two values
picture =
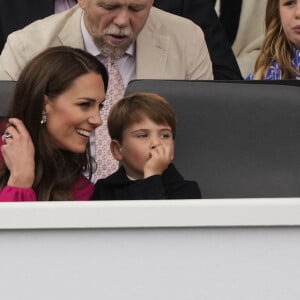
46	104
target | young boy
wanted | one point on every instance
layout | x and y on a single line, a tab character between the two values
142	127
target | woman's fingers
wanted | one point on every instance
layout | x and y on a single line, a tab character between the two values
18	125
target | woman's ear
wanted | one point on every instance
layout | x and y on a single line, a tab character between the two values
116	150
47	104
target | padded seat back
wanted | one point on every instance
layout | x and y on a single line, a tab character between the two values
236	139
6	92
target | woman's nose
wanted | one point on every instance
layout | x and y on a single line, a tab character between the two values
95	119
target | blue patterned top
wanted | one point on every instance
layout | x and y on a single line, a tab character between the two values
274	71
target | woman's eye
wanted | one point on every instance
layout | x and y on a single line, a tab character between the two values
101	105
84	104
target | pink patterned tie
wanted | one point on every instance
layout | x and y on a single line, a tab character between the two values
106	164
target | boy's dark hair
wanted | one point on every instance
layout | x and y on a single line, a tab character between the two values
134	107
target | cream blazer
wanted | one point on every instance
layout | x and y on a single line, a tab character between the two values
250	34
168	47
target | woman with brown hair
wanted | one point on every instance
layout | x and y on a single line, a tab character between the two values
55	108
279	57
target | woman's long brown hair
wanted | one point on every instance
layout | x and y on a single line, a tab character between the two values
51	73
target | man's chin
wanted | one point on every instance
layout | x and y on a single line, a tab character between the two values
112	50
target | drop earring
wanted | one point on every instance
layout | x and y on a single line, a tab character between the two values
44	118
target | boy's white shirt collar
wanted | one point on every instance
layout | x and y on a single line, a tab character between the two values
130	178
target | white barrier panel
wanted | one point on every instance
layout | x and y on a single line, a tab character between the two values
179	249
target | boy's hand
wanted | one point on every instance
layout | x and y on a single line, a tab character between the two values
159	159
18	154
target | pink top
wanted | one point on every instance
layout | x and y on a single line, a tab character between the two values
82	190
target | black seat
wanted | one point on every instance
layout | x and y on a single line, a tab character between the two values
236	139
6	91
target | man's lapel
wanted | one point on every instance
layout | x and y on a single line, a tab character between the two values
71	35
151	50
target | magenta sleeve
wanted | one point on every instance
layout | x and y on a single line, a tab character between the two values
82	190
16	194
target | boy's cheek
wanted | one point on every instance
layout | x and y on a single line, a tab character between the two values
169	146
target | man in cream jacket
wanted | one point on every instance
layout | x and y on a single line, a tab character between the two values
166	46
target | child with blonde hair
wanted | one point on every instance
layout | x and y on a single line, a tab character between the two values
279	57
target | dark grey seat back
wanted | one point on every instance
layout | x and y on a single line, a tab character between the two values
236	139
6	93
